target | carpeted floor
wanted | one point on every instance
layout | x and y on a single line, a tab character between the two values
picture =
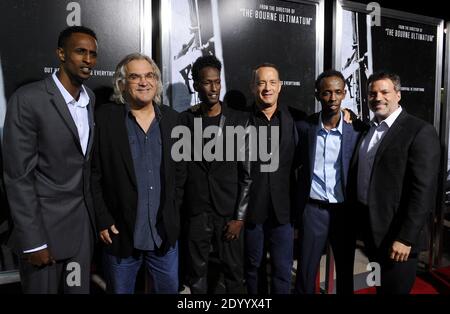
436	282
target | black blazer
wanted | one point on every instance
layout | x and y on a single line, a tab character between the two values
114	181
283	178
403	183
225	185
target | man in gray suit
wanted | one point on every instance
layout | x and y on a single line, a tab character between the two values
47	140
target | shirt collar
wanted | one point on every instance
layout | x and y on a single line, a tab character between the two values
259	113
338	128
83	101
158	113
389	120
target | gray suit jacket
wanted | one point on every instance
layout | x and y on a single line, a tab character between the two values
46	174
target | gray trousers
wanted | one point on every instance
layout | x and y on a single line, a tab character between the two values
62	277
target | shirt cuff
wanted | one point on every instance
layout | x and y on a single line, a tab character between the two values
404	242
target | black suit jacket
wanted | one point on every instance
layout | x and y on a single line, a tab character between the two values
114	182
225	184
47	177
403	183
283	178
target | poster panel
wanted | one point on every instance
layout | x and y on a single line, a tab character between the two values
407	44
30	40
242	34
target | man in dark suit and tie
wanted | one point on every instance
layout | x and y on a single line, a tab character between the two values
47	141
394	180
325	148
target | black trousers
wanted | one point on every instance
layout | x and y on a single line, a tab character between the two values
205	240
395	277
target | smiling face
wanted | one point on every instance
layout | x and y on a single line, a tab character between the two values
140	84
331	93
266	87
78	57
208	86
383	98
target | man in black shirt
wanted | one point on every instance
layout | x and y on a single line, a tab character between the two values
269	215
215	189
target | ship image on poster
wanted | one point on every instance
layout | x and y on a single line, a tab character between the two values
356	60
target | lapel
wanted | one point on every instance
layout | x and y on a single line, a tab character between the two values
166	131
90	108
348	141
120	134
391	135
355	158
220	137
58	101
312	143
287	127
196	113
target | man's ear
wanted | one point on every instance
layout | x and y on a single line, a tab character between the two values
316	94
121	86
61	54
196	87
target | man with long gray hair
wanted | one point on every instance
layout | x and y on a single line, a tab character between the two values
134	180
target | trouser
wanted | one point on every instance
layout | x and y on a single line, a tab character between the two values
281	241
205	235
396	277
69	276
322	222
162	270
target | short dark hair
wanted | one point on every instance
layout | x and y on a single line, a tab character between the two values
204	62
382	75
325	74
264	65
67	32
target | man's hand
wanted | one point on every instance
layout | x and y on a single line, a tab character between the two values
39	258
104	234
233	229
349	116
399	251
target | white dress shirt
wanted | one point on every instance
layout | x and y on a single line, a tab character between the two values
368	151
78	111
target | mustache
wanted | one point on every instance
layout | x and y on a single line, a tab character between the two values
377	102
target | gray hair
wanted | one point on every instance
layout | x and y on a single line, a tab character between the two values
120	77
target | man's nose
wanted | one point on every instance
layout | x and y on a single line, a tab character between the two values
87	58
